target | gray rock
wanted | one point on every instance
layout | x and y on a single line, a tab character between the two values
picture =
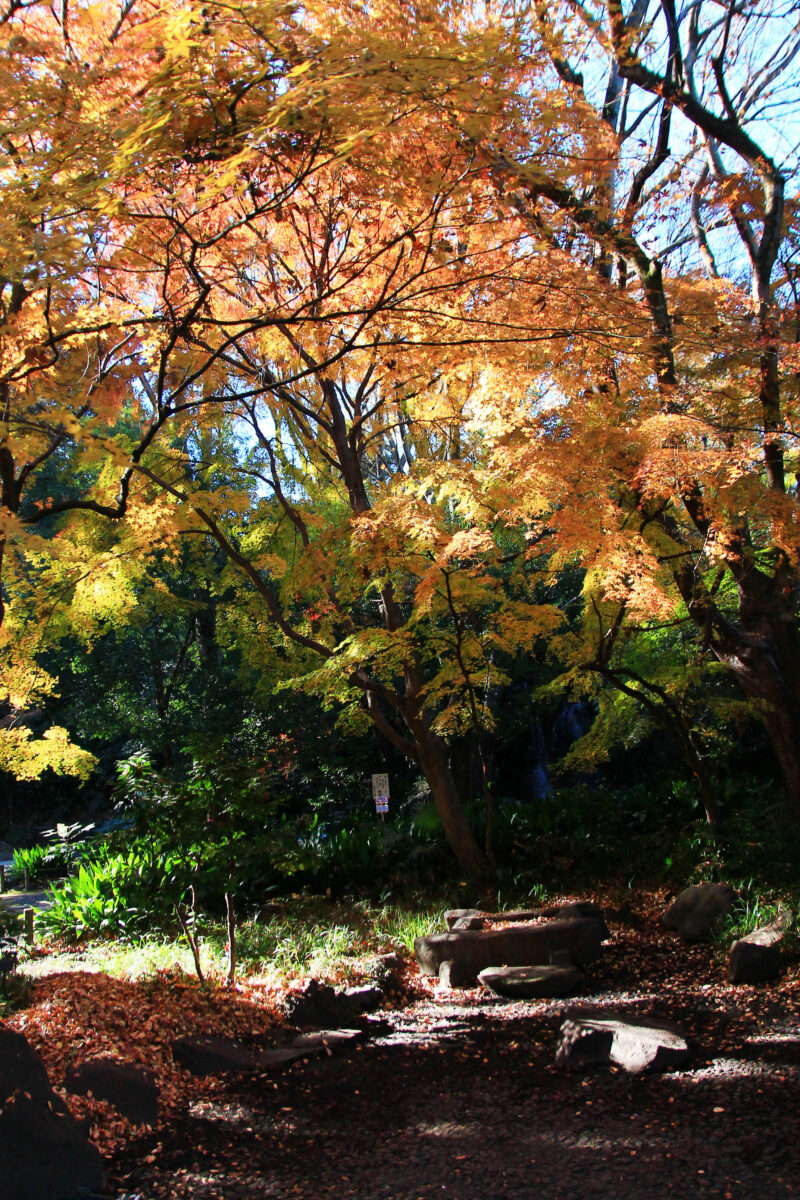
214	1056
475	922
750	962
129	1088
530	983
453	975
590	1037
44	1152
757	957
454	915
220	1056
320	1005
696	910
514	946
393	961
585	908
364	999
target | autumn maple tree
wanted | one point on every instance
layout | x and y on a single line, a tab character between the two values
459	294
241	270
665	458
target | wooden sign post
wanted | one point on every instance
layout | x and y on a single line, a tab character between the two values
380	794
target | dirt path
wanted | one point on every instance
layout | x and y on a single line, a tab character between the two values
458	1096
16	902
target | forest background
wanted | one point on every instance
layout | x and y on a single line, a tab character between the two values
401	388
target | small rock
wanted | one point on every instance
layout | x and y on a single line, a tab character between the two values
585	908
393	961
214	1056
452	974
364	999
321	1005
129	1088
696	910
529	983
458	914
475	922
750	962
635	1044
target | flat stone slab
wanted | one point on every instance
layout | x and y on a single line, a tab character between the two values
326	1039
220	1056
366	998
128	1087
531	983
591	1037
476	918
44	1152
513	946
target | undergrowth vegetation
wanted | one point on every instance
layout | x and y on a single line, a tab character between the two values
310	894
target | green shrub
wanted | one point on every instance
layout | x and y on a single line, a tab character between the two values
119	894
30	860
64	846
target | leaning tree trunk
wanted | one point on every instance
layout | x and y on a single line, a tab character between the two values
432	755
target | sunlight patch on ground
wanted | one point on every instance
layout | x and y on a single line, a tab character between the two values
447	1129
735	1068
120	961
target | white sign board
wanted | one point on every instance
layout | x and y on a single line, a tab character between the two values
380	787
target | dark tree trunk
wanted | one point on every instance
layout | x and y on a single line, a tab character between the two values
433	760
762	676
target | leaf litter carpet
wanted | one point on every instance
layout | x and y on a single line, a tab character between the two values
452	1094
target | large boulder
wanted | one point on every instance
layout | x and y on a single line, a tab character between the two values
696	910
531	983
44	1152
128	1087
513	946
757	957
591	1037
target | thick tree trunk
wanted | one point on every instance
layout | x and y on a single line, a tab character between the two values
759	672
432	755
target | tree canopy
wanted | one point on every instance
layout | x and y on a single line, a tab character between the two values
381	321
